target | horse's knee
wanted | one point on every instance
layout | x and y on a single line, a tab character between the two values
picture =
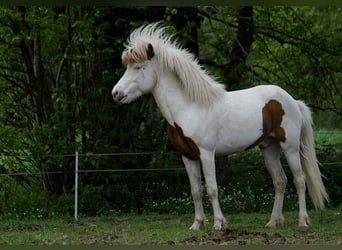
280	184
196	194
299	181
212	192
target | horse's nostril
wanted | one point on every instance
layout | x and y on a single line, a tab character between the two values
120	95
116	95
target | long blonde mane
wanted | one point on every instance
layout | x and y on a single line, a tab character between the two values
198	85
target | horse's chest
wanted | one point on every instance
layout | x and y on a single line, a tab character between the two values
185	145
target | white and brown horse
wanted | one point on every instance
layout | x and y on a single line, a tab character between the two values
205	120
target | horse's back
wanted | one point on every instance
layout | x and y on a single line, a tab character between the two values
263	92
256	97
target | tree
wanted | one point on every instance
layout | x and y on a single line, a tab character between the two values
57	65
302	51
294	47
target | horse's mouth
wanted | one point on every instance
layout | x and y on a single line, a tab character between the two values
123	99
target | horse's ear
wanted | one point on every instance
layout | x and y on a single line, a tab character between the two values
150	51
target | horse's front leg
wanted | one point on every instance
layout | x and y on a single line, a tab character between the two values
208	167
193	169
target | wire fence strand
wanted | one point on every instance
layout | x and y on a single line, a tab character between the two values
84	155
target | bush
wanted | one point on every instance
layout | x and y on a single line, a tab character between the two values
21	202
245	186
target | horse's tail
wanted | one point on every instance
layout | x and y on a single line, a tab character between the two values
309	161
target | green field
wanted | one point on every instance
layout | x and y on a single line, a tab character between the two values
153	229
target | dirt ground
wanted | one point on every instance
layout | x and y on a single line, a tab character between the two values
240	236
230	237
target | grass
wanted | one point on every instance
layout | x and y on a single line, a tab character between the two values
328	137
154	229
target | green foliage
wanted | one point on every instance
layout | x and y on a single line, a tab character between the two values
20	202
250	190
295	50
329	152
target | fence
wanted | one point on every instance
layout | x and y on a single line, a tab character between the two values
78	171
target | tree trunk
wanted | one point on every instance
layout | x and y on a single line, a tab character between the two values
234	69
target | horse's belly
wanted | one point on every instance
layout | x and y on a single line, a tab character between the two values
233	146
239	138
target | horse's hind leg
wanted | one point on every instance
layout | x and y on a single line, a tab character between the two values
293	159
193	169
272	161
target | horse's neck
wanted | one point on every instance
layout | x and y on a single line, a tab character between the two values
169	97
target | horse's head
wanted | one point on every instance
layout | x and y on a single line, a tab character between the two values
152	55
139	77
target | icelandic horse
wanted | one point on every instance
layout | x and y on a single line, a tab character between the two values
203	120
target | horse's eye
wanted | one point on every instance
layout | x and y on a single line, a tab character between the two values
137	67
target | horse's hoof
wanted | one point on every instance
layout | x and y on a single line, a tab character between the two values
220	225
198	225
275	223
304	221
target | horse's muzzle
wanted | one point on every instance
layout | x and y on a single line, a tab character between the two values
118	95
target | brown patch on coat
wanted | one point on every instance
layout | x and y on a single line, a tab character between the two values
272	116
185	145
134	55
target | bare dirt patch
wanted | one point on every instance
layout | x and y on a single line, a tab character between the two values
240	236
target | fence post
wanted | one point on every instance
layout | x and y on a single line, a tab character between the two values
76	184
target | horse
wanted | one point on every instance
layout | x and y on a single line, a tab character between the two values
204	120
